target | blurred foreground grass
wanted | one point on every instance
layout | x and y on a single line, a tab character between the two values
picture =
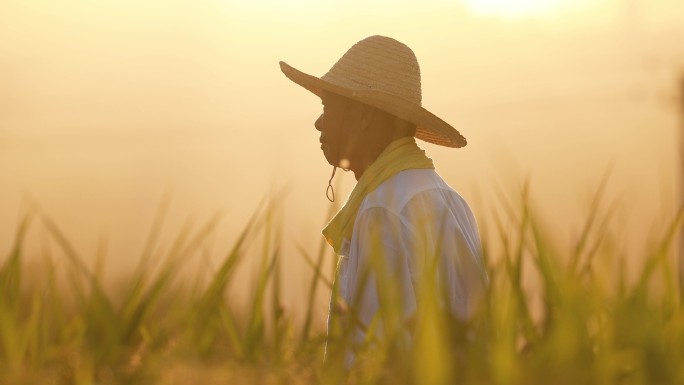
586	322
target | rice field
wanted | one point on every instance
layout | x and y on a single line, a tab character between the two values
587	321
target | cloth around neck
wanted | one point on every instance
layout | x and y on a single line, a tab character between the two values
402	154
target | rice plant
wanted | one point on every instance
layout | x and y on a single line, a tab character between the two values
583	322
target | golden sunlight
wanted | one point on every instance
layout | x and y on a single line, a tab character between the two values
299	5
519	8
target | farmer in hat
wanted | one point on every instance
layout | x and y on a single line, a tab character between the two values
400	211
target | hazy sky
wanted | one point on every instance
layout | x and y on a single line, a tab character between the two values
104	104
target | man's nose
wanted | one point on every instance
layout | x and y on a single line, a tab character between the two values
317	123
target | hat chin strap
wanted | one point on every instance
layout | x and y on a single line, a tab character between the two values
330	192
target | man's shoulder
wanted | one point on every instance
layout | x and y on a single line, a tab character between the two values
394	193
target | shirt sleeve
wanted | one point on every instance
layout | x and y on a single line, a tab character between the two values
433	238
448	238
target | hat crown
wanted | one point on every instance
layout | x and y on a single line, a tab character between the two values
381	64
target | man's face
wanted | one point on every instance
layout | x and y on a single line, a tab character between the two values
340	127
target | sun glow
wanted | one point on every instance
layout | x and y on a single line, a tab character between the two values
518	8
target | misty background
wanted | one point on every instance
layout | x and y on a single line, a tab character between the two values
104	106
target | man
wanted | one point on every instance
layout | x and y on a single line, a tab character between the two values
401	219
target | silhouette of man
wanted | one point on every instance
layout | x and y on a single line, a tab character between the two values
400	213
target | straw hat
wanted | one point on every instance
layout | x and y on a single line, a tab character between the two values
383	73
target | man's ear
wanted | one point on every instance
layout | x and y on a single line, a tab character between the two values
367	114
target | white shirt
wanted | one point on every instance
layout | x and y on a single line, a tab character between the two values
409	217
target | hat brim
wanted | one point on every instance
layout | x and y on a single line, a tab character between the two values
429	127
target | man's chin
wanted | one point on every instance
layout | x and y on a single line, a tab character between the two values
328	157
333	159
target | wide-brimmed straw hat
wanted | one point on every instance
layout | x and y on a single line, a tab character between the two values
383	73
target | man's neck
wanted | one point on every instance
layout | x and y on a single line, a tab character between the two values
374	149
371	155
